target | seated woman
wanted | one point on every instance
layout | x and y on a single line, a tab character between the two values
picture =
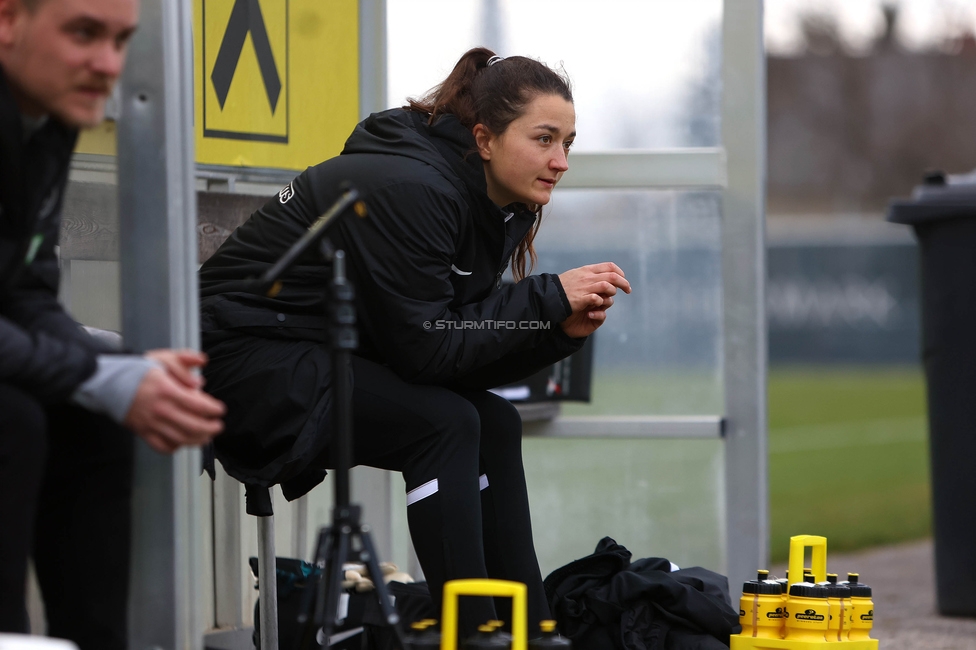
454	184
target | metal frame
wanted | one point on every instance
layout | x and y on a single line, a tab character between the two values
372	56
744	288
373	490
268	582
157	203
699	168
738	168
628	426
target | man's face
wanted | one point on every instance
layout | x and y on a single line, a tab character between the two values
62	57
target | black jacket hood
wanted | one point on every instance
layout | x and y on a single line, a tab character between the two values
447	145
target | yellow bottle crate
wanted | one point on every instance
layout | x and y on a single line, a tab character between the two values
798	546
740	642
454	589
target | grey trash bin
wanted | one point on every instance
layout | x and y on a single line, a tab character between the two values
942	212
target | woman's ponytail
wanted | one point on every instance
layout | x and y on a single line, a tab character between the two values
454	94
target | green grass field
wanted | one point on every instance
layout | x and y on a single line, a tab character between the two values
848	456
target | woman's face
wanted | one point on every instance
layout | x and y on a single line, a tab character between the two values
524	163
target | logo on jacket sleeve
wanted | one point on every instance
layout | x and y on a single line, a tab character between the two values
286	193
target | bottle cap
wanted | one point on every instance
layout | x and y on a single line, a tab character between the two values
808	590
858	589
761	585
547	626
838	591
764	587
487	629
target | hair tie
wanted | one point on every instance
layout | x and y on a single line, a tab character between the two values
495	59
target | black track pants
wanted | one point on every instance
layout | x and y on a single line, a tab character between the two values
460	453
65	497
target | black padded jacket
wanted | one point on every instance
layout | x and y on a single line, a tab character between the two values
427	262
605	601
42	350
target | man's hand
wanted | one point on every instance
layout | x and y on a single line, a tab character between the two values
181	364
169	409
590	290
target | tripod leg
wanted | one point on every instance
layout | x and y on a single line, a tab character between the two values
312	598
334	575
382	593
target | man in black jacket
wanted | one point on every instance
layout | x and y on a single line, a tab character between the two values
65	463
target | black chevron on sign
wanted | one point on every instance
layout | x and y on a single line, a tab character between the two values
245	17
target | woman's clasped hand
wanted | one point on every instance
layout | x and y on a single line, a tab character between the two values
590	290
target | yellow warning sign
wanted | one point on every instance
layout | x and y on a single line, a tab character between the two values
245	49
276	81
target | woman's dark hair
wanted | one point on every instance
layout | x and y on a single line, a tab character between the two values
495	95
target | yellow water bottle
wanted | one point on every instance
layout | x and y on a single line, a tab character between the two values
423	636
784	585
806	612
499	630
841	609
862	608
550	639
486	639
761	612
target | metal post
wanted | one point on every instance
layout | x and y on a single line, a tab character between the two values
157	205
744	280
372	56
228	556
299	533
373	489
267	583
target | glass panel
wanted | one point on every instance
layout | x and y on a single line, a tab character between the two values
660	350
660	498
646	73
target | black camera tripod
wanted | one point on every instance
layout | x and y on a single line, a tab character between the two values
347	537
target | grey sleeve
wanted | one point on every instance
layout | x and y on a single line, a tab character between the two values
113	386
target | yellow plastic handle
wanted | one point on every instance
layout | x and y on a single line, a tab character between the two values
514	590
798	546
